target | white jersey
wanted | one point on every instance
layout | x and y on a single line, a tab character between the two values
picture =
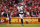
20	9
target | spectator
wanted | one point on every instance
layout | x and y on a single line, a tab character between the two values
32	7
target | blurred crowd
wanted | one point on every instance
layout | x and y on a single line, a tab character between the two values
32	8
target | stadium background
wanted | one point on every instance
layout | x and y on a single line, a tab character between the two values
32	13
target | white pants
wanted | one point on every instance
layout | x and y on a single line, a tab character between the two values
21	16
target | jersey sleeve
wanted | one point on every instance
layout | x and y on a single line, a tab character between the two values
17	7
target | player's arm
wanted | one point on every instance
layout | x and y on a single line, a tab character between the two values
18	9
24	9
